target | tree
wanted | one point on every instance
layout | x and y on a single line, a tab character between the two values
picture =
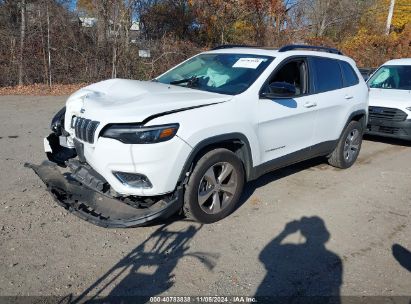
22	39
332	18
370	46
389	17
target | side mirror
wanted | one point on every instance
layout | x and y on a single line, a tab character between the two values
279	90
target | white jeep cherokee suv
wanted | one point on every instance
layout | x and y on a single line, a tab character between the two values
390	100
189	139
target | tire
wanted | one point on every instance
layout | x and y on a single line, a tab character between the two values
214	187
348	147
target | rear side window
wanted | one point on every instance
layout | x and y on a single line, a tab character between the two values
350	77
327	74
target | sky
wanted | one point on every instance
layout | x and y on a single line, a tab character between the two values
72	5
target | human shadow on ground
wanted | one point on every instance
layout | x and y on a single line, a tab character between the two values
301	273
147	270
402	255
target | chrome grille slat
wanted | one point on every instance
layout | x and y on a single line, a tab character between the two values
77	126
85	129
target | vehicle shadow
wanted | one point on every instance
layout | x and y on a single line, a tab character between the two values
273	176
147	270
402	255
387	140
301	273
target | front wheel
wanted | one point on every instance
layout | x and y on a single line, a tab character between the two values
214	187
348	147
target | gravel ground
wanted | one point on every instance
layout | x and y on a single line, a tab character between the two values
305	229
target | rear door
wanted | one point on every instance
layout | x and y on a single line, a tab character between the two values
331	98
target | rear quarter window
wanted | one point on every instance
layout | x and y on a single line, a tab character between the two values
349	75
327	74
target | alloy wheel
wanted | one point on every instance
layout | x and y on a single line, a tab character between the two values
217	187
352	145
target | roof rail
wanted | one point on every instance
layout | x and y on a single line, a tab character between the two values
229	46
309	47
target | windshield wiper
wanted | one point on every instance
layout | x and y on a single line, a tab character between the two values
191	82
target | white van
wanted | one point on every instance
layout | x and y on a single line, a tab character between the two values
390	100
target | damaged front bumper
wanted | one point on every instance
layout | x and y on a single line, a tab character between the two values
97	206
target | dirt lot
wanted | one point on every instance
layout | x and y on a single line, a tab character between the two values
343	244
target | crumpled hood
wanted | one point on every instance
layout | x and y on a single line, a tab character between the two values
125	101
399	99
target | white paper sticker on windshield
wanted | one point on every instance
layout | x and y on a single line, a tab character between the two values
248	63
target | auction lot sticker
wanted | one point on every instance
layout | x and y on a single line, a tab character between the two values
248	63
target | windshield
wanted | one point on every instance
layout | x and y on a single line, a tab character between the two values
396	77
221	73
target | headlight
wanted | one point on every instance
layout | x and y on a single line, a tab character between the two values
136	134
58	121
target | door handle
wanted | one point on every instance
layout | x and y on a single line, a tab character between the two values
348	97
310	105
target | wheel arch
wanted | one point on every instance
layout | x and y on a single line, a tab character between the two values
235	142
360	116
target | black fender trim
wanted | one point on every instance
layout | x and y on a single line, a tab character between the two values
331	145
355	114
244	152
351	118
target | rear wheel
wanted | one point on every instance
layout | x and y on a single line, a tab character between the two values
348	147
214	187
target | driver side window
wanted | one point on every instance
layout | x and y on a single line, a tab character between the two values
291	79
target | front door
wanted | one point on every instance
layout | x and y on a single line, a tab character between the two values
286	124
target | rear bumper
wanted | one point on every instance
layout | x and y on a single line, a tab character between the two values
387	128
99	208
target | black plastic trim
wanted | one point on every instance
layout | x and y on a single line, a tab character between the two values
246	156
293	47
317	150
230	46
404	125
354	114
98	208
59	154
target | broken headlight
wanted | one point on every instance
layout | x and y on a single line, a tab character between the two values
137	134
57	123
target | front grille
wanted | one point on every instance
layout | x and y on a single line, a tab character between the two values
379	113
84	128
